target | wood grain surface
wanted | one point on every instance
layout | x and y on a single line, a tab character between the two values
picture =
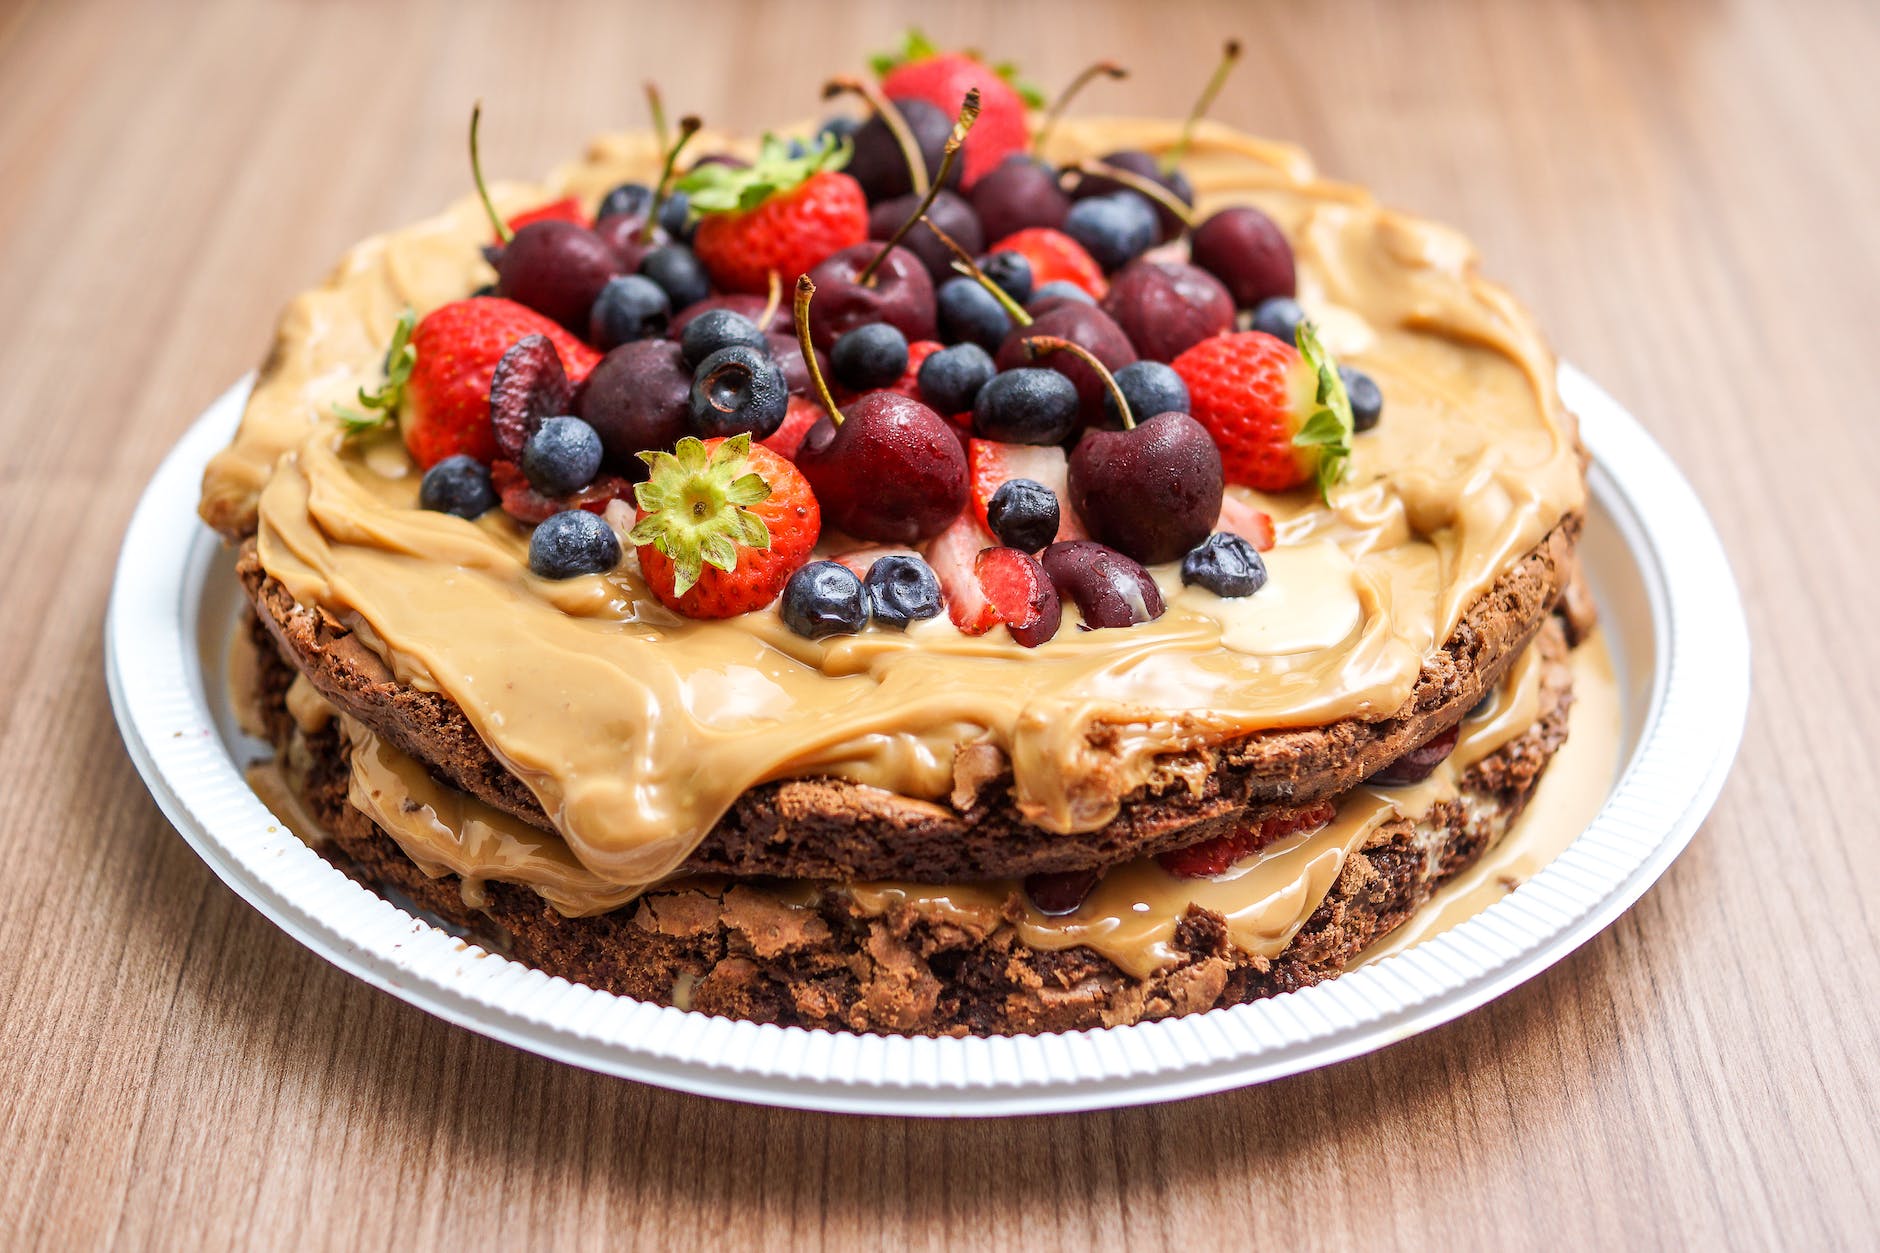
1688	192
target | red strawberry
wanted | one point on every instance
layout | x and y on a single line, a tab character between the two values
990	464
1020	594
942	79
1055	257
734	557
445	407
781	214
1242	519
909	382
567	209
523	503
797	419
952	554
1213	857
1272	412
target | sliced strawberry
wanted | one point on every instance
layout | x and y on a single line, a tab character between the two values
1020	593
990	465
1054	257
523	503
797	419
952	554
567	209
1213	857
1242	519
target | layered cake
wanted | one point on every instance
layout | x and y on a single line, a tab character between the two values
955	571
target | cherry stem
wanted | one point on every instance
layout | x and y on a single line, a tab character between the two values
963	263
772	299
969	113
503	233
1137	183
1038	345
688	127
1230	53
891	118
804	291
1084	77
657	107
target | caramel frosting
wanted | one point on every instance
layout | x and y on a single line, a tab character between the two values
636	729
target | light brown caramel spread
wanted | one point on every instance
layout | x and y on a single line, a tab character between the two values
637	729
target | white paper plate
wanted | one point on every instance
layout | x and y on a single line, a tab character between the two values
1671	616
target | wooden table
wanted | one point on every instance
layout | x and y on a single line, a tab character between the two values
1687	192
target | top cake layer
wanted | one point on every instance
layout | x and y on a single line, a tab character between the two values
636	729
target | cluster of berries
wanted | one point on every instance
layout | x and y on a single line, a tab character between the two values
999	428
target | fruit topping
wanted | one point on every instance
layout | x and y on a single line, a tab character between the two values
759	311
899	292
737	390
1023	513
1056	292
1113	229
782	213
1059	892
1166	307
561	456
380	405
1242	519
1216	856
722	525
716	329
869	357
824	598
1419	763
1367	401
527	388
901	589
946	208
630	307
567	209
1278	413
571	543
1150	387
969	314
444	407
802	414
1089	328
1020	594
922	72
1109	589
1026	406
1020	193
898	149
889	468
637	398
1053	257
1009	272
992	465
1151	490
677	270
1226	565
459	485
908	384
1167	194
952	555
1243	248
526	505
950	379
1278	316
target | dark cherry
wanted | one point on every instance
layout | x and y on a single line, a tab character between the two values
1152	491
1166	307
1059	892
900	295
1135	161
892	471
1086	326
557	269
949	211
1419	763
740	303
877	162
637	399
1109	589
1019	192
528	386
788	354
621	232
1245	249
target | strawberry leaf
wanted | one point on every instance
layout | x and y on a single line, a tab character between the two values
380	405
729	189
1329	429
915	46
696	505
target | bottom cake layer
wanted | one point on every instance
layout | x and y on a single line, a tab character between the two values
974	958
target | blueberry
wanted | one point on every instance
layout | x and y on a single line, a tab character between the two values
824	598
715	329
562	455
738	389
1058	289
1026	406
870	356
952	377
631	198
1023	514
1010	271
838	128
1114	229
677	271
1226	565
630	307
902	589
971	314
675	217
1367	401
573	542
1278	316
1150	388
459	485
